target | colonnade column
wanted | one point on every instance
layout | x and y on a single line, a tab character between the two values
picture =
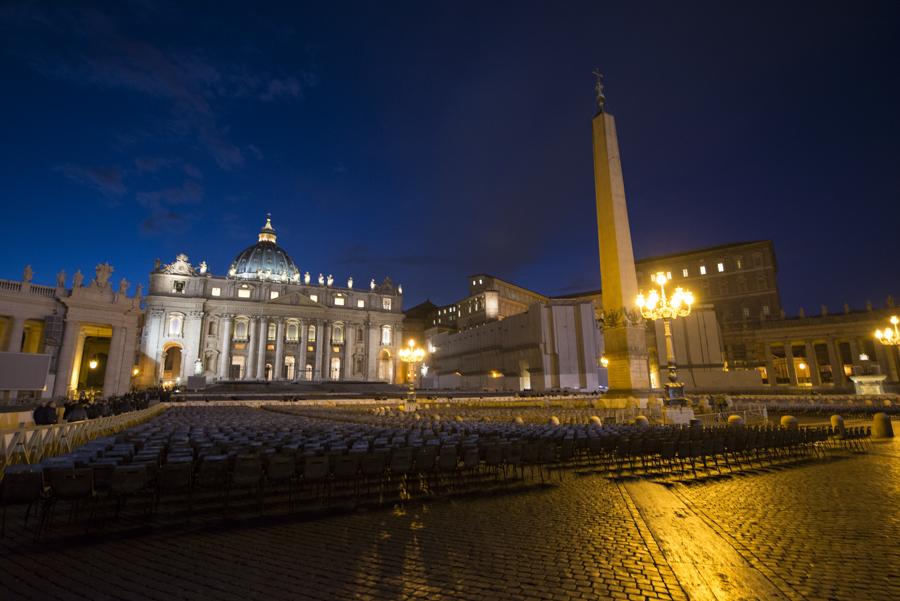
263	342
17	328
837	365
320	338
250	365
812	363
114	362
225	322
771	374
789	356
66	359
278	368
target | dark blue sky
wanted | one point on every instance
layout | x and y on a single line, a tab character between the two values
428	141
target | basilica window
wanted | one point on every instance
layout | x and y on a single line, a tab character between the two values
178	287
311	337
386	334
339	301
314	298
273	294
308	372
703	270
293	331
289	367
360	303
337	334
244	291
272	332
216	291
684	272
176	322
335	368
240	330
386	304
721	267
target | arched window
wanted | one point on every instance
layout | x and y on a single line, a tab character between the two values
335	368
312	334
176	321
292	331
309	372
337	334
272	331
386	335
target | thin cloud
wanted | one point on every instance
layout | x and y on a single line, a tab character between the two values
109	181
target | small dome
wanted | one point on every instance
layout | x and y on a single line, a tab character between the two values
265	260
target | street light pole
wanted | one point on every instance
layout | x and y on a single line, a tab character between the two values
656	305
411	355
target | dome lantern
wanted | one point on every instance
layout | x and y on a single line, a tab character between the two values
265	260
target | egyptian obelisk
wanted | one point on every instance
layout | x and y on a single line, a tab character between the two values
624	335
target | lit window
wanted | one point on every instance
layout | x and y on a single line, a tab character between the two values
337	334
668	275
746	312
703	270
240	330
314	298
765	310
480	281
720	267
244	293
360	303
271	332
216	291
273	294
386	304
311	337
175	323
473	282
338	301
310	349
739	263
684	272
386	334
292	332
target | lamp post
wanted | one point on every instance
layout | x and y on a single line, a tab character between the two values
656	305
411	355
889	336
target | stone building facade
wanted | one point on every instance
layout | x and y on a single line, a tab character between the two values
88	332
263	320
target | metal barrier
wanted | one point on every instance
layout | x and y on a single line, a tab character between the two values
754	415
35	443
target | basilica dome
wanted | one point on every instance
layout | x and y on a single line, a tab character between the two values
265	260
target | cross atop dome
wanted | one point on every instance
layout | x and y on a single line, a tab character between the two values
267	233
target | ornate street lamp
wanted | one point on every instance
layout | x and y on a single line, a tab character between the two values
656	305
411	355
889	336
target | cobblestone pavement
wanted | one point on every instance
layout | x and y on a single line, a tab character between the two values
827	530
824	530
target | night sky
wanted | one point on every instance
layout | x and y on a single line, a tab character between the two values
429	141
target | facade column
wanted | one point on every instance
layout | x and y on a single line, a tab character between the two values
250	364
854	352
837	366
349	343
789	356
326	352
320	338
300	370
261	353
813	362
279	351
883	356
770	365
225	324
193	331
65	361
17	328
114	362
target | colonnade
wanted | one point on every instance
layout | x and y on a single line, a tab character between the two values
885	358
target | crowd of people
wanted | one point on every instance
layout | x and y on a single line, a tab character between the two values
90	407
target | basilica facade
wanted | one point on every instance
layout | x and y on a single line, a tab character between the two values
264	320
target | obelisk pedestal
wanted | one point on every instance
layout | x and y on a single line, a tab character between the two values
623	330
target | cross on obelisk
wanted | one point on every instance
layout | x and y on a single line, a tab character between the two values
625	346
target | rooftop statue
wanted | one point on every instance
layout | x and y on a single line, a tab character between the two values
103	271
77	279
27	274
598	90
61	279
